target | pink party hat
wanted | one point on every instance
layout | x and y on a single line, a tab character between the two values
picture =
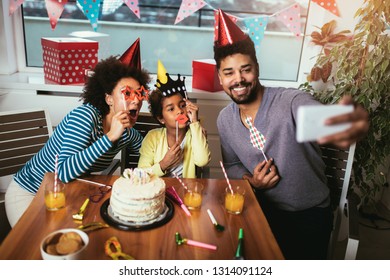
132	56
228	31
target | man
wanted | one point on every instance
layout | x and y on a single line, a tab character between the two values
288	177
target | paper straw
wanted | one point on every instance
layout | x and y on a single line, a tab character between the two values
226	176
177	131
181	182
124	106
200	244
56	174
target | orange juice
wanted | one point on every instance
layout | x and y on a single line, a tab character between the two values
55	201
234	202
192	200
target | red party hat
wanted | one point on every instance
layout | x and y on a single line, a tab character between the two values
132	56
228	31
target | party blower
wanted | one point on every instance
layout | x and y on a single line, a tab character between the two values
172	194
180	241
240	246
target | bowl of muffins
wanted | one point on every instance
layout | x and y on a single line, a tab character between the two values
64	244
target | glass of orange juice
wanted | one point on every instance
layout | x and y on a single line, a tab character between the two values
55	196
234	199
193	195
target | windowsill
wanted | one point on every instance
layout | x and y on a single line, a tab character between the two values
36	82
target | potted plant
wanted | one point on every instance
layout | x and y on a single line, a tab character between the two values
359	65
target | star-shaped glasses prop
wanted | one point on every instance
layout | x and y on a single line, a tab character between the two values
130	94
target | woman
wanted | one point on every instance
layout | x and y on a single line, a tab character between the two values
90	136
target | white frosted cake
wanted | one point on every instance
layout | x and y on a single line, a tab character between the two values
137	196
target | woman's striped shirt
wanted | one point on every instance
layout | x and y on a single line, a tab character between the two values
81	146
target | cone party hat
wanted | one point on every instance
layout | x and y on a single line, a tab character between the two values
132	56
161	72
228	31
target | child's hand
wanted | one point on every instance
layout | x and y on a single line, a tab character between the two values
172	157
192	111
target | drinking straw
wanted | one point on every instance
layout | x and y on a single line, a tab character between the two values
181	182
177	131
56	174
124	106
226	177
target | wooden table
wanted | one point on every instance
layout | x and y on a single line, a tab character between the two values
159	243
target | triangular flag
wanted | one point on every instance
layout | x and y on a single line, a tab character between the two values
14	5
54	10
91	10
132	56
291	17
329	5
187	8
216	23
161	72
256	27
257	139
133	5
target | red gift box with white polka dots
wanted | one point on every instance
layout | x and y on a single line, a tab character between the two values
67	60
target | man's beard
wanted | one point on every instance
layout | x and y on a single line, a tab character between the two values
247	98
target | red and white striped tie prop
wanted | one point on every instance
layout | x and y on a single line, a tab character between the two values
257	139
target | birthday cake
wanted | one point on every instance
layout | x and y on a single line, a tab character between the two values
137	196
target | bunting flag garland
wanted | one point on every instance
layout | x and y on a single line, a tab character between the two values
187	8
14	5
291	18
54	11
91	10
256	27
257	139
133	6
216	23
329	5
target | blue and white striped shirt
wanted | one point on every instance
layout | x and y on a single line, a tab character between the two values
81	145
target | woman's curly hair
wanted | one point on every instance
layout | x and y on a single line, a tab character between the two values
246	47
107	73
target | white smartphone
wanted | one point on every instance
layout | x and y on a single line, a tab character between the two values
311	121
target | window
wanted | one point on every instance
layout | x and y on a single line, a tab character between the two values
175	45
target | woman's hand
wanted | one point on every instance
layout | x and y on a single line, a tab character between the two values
172	157
359	126
192	111
119	122
265	175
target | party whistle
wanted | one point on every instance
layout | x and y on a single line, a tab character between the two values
180	241
172	194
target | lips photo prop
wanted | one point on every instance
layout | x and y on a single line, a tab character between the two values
182	119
